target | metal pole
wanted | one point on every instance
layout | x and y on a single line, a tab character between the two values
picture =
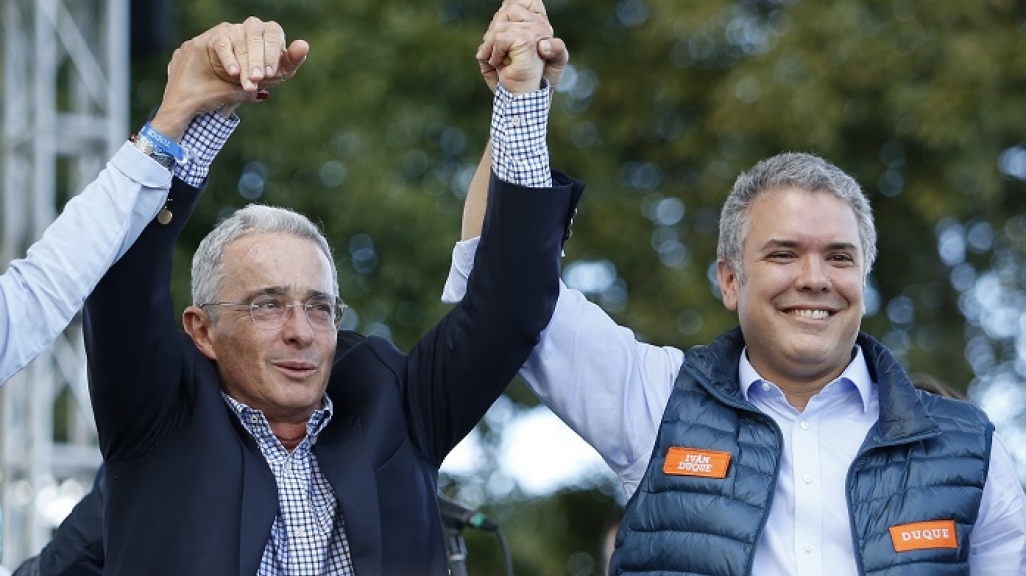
457	549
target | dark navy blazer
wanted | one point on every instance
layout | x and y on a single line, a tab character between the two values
187	489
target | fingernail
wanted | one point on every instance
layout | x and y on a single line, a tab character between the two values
263	95
256	73
233	70
546	46
268	71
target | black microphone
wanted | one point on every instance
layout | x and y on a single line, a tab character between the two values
458	517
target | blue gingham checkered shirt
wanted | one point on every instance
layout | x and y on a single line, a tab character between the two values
203	139
308	534
519	128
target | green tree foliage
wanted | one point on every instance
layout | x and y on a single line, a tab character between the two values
666	102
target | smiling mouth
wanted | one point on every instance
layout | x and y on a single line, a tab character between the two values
810	314
296	369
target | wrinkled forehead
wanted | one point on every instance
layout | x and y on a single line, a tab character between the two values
278	262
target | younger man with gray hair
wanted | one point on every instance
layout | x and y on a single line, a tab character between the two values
793	444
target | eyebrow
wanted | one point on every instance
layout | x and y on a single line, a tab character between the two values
833	246
284	290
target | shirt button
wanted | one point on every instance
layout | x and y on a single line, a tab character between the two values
765	386
804	425
808	548
254	418
516	120
808	479
300	533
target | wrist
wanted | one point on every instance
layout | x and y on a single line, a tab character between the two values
163	149
172	121
519	87
228	110
147	147
165	144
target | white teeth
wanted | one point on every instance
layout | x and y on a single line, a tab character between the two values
814	314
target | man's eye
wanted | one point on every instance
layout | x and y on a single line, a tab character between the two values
267	304
320	307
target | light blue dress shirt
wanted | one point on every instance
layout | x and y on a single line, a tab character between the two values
41	293
612	390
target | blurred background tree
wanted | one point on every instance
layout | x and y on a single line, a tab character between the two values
665	103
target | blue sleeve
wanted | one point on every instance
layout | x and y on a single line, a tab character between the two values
41	293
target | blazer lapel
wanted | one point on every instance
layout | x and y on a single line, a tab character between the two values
259	506
342	455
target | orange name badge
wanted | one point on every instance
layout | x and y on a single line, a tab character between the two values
694	462
924	535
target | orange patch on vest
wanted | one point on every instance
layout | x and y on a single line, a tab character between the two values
693	462
924	535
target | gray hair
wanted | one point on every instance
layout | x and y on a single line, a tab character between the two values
791	170
208	261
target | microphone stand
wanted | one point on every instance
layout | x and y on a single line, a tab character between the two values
457	549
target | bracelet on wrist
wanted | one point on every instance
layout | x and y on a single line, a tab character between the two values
165	144
149	148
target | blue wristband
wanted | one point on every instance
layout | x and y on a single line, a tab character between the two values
165	144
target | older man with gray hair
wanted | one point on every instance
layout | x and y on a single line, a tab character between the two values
264	440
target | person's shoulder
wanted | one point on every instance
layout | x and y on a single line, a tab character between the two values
347	340
350	342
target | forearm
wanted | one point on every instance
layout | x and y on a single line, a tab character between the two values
516	152
203	140
477	197
478	347
519	129
40	293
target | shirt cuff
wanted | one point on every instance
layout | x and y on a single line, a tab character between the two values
520	154
459	270
203	139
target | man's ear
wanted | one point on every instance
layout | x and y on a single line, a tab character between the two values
728	282
199	327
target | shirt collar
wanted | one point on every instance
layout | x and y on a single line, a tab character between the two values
857	373
253	419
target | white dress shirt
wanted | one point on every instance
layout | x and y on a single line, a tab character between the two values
612	390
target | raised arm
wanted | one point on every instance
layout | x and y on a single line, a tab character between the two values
556	57
39	294
459	368
130	321
607	386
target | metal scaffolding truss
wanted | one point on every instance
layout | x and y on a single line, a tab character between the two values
65	112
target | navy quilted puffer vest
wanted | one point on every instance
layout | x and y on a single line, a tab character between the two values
926	458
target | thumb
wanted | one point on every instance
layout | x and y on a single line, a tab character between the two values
553	51
294	56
